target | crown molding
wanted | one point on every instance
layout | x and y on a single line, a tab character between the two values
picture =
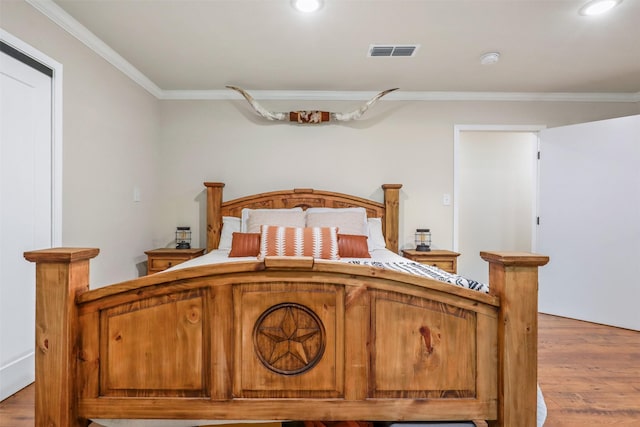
54	12
65	21
404	96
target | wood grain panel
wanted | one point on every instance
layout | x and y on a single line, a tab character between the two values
588	373
292	338
423	348
358	319
283	343
89	355
137	358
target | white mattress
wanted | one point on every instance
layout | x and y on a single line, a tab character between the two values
218	256
380	258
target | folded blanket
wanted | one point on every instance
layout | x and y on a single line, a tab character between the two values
423	270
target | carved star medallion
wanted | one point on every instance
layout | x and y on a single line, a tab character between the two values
289	338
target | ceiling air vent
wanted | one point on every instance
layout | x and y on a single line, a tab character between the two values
392	50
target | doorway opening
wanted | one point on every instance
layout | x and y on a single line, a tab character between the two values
495	192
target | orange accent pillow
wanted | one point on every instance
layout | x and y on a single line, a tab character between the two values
353	246
245	244
317	242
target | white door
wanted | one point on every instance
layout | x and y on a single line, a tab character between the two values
495	197
590	221
25	211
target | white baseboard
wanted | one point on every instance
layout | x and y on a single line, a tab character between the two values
16	375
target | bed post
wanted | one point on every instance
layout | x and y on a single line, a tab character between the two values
214	217
514	278
392	215
61	275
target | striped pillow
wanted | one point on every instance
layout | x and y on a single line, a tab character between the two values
317	242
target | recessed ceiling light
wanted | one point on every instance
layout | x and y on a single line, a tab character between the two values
306	6
490	58
598	7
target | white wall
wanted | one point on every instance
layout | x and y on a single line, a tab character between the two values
117	136
395	142
496	193
110	132
589	213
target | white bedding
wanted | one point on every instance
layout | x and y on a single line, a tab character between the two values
218	256
382	258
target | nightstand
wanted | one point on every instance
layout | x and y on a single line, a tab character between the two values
445	260
163	258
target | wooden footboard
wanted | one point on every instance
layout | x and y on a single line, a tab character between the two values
284	339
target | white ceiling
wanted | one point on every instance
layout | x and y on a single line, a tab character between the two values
171	46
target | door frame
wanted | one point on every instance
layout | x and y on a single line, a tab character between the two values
56	129
457	130
23	367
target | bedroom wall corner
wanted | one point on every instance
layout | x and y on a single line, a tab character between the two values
110	128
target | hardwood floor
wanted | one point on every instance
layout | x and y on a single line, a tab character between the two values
589	374
17	410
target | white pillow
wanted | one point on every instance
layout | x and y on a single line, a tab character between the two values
230	224
376	238
246	211
348	220
288	218
316	210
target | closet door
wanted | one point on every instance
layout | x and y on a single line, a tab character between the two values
590	221
25	210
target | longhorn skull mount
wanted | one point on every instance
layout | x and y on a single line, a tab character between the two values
309	116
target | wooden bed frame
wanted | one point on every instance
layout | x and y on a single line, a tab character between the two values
285	338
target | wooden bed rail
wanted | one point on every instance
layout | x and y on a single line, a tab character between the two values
63	273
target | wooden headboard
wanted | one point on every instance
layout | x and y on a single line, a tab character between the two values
305	198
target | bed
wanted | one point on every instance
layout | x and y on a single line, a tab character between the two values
285	337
